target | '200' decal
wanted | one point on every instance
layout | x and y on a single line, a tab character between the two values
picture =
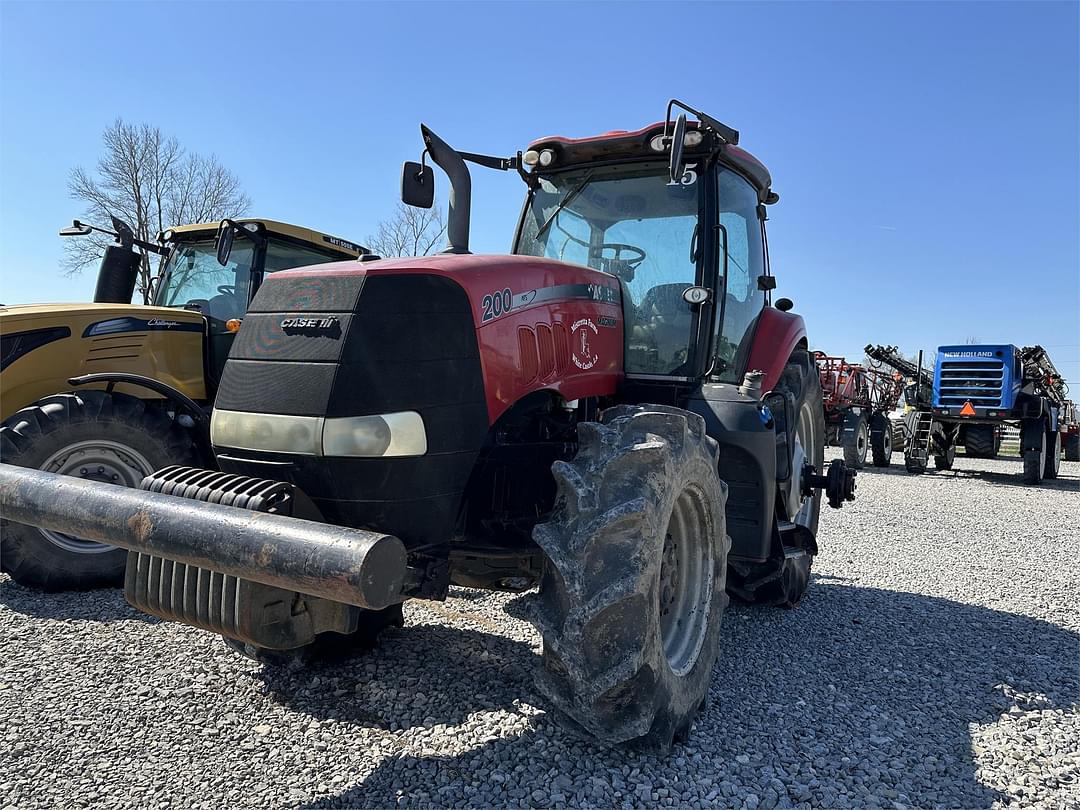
496	303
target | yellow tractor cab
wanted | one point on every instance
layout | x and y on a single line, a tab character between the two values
215	269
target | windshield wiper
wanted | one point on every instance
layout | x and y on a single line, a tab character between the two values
569	198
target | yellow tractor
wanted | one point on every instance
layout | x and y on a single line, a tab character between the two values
111	391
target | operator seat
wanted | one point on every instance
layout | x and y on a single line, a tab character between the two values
663	324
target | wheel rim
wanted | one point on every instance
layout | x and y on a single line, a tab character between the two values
686	583
860	442
96	460
805	438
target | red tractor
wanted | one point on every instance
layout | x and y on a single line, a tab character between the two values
858	401
616	413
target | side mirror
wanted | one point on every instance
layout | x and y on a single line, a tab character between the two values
76	229
675	169
224	242
417	184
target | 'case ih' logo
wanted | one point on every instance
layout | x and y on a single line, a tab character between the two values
327	326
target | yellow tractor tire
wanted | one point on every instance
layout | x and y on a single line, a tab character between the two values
112	438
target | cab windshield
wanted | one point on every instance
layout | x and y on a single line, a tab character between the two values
639	227
193	277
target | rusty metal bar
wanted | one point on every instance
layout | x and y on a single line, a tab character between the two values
354	566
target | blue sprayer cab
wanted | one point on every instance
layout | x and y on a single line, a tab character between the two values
977	391
981	381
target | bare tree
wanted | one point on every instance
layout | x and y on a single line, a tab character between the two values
150	182
409	232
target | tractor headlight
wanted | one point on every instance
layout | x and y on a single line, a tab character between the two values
385	435
392	434
269	432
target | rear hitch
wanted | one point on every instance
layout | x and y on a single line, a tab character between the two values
838	482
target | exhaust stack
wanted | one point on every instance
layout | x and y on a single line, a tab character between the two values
447	159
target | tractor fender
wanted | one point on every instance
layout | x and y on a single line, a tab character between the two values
776	336
174	395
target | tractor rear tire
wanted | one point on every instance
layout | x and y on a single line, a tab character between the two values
981	441
1072	447
1053	454
855	437
944	461
1033	448
782	580
633	589
326	646
881	440
111	438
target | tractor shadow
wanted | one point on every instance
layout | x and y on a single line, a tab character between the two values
893	665
380	687
97	605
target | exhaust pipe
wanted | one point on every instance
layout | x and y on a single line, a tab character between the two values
357	567
447	159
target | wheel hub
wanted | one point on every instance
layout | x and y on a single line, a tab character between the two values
686	583
96	460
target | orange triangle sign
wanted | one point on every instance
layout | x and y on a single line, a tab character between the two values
967	410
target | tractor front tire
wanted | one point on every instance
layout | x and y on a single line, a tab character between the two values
1072	447
855	437
633	589
944	461
326	646
1033	449
1053	454
881	440
981	441
782	580
110	438
914	464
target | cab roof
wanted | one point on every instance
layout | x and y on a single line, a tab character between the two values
345	247
626	143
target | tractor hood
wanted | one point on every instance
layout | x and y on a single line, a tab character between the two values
43	345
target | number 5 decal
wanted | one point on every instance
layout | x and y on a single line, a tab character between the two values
689	176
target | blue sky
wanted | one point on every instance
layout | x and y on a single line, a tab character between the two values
927	154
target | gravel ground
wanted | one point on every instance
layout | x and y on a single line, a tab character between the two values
933	664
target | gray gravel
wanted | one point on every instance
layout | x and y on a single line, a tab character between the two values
934	664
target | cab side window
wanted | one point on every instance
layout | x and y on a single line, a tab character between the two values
742	300
285	255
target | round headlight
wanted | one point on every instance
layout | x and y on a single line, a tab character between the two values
547	157
657	144
692	138
531	158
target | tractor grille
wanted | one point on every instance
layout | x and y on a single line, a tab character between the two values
980	382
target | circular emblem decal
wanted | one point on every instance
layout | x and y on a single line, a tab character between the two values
581	336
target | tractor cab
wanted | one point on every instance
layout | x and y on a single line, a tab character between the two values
216	269
683	234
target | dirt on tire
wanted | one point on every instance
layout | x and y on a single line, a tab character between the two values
607	663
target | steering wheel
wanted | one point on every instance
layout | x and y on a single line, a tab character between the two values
597	252
227	289
637	254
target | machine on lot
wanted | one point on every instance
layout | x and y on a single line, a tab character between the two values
979	388
145	374
858	401
615	413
